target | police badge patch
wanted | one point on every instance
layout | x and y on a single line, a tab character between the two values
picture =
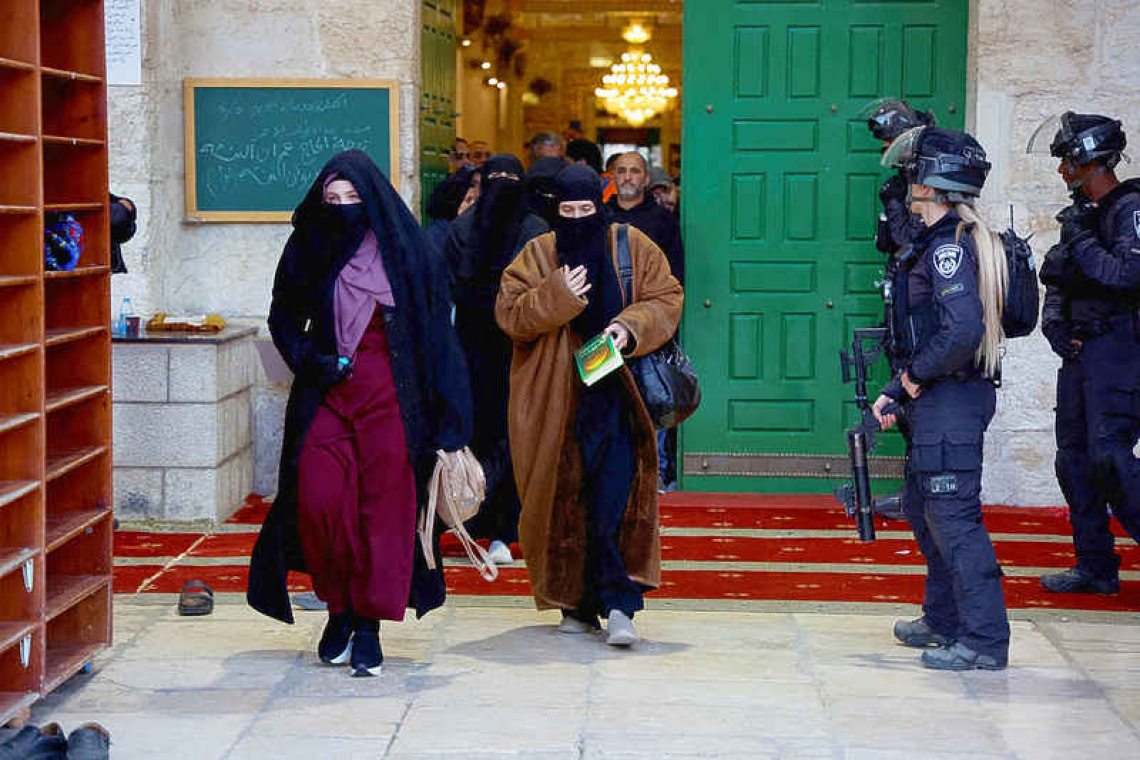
947	259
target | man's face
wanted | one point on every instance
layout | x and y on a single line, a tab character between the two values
460	155
629	174
1075	174
479	152
546	150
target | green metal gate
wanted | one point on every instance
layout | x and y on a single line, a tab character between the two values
437	101
779	202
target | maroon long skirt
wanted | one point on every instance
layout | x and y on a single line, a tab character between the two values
357	502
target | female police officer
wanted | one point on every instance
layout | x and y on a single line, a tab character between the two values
949	299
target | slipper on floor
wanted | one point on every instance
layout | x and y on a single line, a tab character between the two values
197	598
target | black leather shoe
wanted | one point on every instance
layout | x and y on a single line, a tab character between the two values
1078	581
336	641
367	657
919	634
958	656
34	743
89	742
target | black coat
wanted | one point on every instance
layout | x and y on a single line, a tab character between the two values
427	364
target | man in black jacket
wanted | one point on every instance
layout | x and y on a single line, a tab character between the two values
1091	320
634	205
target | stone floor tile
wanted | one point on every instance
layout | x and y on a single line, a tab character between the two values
1127	704
625	690
1096	636
876	678
508	728
260	746
146	735
1111	661
1031	685
947	724
1030	648
240	672
781	666
914	753
552	685
176	640
106	696
350	717
1077	728
791	721
628	740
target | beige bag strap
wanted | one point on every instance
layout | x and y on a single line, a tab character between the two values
476	553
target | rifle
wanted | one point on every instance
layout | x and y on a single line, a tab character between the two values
855	495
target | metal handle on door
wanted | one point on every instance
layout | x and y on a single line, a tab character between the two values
708	304
830	304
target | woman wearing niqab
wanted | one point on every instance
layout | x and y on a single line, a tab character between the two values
479	247
361	314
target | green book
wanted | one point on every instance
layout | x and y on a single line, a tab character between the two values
597	358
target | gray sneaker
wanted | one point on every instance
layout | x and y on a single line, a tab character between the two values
919	634
1078	581
958	656
620	630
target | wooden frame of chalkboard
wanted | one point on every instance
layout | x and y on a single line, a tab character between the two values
312	133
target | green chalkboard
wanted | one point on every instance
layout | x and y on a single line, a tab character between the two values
254	146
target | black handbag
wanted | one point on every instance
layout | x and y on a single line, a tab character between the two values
665	377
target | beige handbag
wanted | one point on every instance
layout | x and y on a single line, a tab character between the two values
455	491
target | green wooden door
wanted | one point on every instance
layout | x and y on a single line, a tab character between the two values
437	99
780	202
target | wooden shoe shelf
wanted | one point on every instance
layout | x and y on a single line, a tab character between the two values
55	351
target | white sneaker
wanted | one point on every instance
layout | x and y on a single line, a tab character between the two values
620	629
500	553
574	625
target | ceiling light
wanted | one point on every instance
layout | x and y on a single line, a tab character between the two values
635	34
466	43
493	81
502	85
600	61
485	65
635	89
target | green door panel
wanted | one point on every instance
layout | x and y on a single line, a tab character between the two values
437	101
780	206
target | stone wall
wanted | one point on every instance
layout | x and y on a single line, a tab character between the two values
1029	59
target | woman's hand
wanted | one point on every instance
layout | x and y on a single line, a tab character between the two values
912	388
575	280
886	421
619	333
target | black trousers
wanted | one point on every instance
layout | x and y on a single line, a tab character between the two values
1098	423
963	598
609	465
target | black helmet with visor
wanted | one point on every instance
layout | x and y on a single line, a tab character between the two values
887	118
1080	139
947	160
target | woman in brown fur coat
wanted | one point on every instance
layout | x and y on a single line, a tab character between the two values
585	458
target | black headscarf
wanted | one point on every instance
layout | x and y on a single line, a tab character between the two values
542	195
584	242
448	195
499	212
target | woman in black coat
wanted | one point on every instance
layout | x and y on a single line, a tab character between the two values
361	313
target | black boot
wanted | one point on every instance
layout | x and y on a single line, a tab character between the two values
1078	581
34	743
367	657
919	634
336	639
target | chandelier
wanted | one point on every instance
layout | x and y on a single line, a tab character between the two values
635	89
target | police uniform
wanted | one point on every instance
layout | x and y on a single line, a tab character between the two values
1092	297
939	326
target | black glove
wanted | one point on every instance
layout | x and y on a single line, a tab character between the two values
332	369
1060	338
1058	268
894	189
1076	222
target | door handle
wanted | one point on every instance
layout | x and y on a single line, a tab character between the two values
830	304
708	304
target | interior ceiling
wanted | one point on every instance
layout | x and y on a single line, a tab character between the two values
551	15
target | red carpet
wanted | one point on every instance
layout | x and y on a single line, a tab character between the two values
739	567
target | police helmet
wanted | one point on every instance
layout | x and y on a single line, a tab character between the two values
945	159
887	118
1080	139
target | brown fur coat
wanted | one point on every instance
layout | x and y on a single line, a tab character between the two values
535	308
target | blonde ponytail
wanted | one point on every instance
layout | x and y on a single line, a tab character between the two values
993	276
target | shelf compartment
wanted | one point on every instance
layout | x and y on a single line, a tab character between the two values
21	179
65	397
66	591
12	490
73	108
13	558
65	526
12	703
18	99
57	336
80	271
18	21
80	50
16	421
16	602
20	319
65	660
74	175
61	463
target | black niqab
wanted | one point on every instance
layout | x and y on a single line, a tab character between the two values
542	194
447	197
499	212
584	241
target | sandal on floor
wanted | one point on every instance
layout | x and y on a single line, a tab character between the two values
197	598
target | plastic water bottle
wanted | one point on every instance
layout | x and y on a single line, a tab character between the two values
126	310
